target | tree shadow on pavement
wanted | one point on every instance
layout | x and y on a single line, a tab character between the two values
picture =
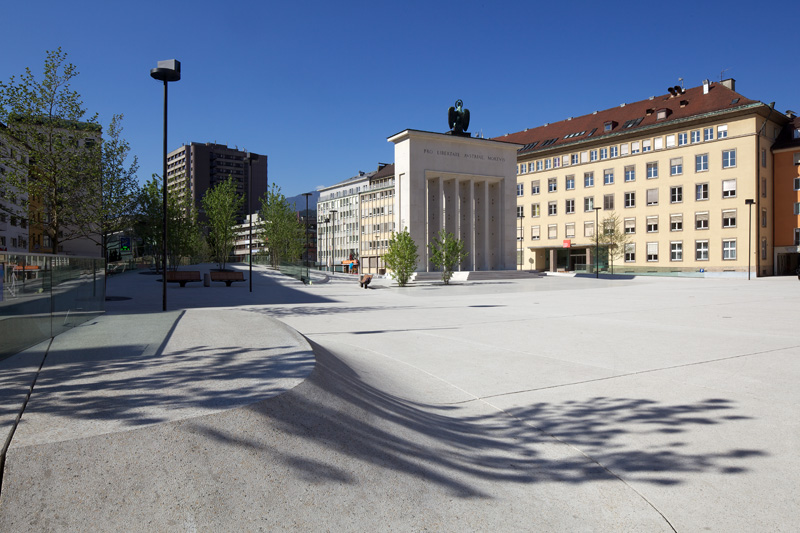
337	414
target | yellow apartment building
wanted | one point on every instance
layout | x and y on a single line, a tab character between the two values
684	172
377	219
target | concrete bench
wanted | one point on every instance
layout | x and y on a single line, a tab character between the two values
227	277
364	280
183	276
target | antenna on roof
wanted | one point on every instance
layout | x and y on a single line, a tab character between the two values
722	73
681	80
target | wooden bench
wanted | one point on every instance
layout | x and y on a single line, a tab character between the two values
227	277
183	276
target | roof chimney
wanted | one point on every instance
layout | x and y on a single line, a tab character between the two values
705	86
730	83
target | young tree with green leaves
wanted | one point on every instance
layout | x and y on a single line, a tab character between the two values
401	257
184	239
447	253
613	237
281	229
54	178
222	204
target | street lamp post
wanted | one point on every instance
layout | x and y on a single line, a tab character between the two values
307	194
520	240
333	239
249	157
166	71
749	202
596	242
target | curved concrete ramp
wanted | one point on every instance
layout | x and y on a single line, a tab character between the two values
356	446
123	372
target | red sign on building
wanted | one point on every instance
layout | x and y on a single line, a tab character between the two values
567	243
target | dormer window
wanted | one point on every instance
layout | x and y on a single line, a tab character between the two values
662	114
608	126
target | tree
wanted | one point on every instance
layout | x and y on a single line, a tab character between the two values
281	229
52	181
183	234
401	256
447	253
613	238
222	205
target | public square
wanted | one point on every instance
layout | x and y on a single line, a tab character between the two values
544	404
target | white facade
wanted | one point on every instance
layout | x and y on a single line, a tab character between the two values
464	185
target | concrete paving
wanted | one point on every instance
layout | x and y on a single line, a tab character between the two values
645	404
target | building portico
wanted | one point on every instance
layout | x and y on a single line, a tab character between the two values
463	185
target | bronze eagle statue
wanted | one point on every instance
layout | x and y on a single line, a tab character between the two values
458	118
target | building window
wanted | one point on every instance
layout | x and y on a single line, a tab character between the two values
701	250
729	188
652	224
552	185
722	131
764	157
635	147
630	226
701	220
696	136
658	143
652	251
608	177
535	211
588	179
569	230
763	187
569	207
701	163
534	233
797	208
676	194
676	166
729	249
728	158
556	162
603	153
593	155
574	159
683	139
588	204
670	141
797	184
570	182
676	222
729	218
630	199
764	217
552	209
613	151
676	251
701	191
539	165
652	170
535	187
630	173
652	196
588	229
630	252
547	164
797	236
608	202
520	214
646	146
520	191
708	134
552	231
763	248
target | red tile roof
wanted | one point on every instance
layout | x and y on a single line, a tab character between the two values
630	117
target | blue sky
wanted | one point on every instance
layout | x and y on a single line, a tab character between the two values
319	86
